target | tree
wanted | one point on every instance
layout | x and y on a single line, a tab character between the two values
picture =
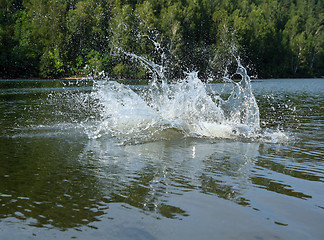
53	38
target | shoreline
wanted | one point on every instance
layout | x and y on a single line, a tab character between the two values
143	79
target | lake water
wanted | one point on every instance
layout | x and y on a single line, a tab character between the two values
62	176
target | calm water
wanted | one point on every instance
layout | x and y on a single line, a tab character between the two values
56	182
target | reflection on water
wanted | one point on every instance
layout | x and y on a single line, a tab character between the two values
145	175
76	186
65	182
41	185
54	180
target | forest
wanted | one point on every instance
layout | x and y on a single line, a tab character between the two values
64	38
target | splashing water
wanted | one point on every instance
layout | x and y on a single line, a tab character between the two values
182	109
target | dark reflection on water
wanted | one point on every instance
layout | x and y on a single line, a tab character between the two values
147	175
43	183
53	178
61	183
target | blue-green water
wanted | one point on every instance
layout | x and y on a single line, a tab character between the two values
57	182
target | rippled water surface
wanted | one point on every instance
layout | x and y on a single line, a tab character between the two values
57	182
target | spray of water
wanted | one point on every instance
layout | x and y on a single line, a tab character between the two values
182	109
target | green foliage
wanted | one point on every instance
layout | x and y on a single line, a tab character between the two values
94	64
120	70
56	38
86	28
51	64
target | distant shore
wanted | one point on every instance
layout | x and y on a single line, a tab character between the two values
147	80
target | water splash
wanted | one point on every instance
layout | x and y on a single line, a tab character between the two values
241	107
185	108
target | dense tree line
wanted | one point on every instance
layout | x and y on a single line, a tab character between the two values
56	38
